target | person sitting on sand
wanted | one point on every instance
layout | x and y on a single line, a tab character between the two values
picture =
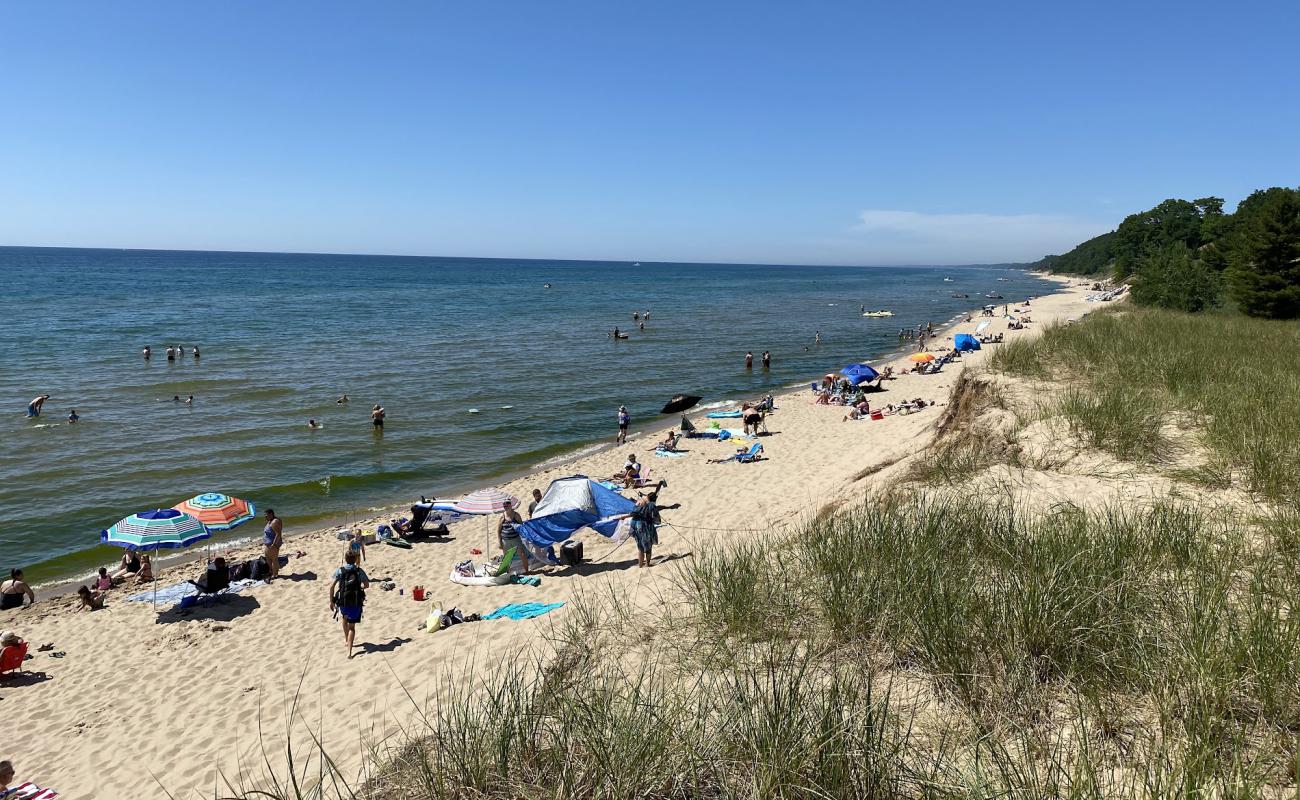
146	569
13	590
824	397
669	444
91	600
103	581
129	565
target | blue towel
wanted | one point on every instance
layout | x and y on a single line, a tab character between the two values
724	415
179	591
522	610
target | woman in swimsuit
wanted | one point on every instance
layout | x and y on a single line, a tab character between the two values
129	565
508	537
13	590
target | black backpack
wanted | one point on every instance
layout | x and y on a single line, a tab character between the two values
350	594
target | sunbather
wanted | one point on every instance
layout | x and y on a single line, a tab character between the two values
669	444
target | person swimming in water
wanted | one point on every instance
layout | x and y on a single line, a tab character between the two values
189	401
72	417
636	315
343	400
313	424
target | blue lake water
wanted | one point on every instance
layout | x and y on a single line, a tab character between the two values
283	335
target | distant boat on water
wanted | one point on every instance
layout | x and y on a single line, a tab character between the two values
949	280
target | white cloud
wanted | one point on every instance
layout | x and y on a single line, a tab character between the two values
914	237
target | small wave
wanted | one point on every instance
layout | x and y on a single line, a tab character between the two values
719	404
572	455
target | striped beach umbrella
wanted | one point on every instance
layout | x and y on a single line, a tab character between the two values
486	501
218	512
165	528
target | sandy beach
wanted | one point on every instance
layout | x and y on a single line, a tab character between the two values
195	691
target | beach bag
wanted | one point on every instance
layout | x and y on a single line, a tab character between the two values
571	554
350	594
240	571
260	570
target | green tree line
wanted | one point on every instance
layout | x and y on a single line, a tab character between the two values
1189	255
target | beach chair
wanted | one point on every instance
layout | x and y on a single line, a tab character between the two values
11	659
744	457
213	584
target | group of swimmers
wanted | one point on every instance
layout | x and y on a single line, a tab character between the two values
173	352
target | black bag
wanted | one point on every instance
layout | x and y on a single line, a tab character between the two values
571	553
350	594
241	571
260	570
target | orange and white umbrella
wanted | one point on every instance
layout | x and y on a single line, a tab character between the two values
922	357
219	512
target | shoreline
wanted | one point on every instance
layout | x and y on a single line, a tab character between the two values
272	653
376	514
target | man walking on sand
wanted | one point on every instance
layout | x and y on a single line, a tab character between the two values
272	538
348	595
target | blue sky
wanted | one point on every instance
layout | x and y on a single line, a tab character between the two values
790	132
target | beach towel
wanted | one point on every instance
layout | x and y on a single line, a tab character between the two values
30	791
519	611
723	415
669	454
179	591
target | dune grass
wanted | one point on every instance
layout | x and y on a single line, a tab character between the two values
1159	615
1234	380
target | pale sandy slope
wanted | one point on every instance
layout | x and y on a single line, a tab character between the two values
184	698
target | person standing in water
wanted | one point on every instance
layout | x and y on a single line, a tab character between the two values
624	419
749	360
272	539
72	417
146	352
377	417
171	353
636	315
818	338
196	352
34	407
767	360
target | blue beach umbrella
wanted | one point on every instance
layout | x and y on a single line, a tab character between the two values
165	528
858	373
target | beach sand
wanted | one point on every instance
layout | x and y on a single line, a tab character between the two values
143	702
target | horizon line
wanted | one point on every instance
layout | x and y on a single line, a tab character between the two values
508	258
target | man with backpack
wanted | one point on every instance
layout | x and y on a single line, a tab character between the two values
348	595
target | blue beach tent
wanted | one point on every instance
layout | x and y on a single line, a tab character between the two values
964	341
860	373
568	505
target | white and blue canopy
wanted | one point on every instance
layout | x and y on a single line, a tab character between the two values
165	528
569	505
